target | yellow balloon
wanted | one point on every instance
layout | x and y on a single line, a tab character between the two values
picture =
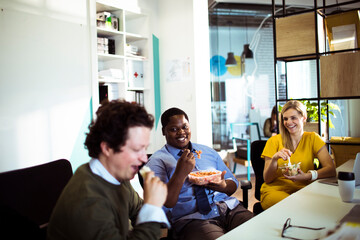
235	70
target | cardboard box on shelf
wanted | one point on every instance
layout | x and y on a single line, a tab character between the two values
100	24
101	40
102	16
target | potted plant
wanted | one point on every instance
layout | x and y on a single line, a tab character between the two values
312	111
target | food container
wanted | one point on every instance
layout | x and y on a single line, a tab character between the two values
204	177
290	170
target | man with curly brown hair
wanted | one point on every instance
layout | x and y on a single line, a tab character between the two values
99	201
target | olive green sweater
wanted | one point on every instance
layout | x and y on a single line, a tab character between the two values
92	208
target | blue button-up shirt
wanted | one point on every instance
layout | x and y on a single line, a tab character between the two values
163	163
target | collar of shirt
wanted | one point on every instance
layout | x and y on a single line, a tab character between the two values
98	169
174	151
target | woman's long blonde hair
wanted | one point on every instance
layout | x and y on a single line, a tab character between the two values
285	135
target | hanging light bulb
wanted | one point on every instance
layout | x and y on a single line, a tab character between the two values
247	53
230	61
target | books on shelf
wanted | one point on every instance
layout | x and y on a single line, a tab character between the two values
135	96
132	51
108	91
105	45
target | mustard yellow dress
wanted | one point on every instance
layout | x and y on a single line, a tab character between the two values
280	188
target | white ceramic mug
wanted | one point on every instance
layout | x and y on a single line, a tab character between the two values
346	181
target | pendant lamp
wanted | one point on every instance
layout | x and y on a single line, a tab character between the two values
247	53
230	61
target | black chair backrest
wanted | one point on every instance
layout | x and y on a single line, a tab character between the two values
257	163
32	192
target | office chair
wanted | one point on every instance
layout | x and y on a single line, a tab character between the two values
257	163
28	196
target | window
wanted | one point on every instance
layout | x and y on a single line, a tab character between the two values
245	92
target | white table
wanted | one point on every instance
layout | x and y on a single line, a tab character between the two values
316	205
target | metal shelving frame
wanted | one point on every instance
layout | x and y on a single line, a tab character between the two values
313	56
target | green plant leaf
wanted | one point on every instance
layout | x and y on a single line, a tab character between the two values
312	111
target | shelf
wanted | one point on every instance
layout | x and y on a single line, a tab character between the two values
111	80
136	89
136	58
320	98
105	5
133	30
109	57
353	4
304	35
103	32
314	56
297	58
132	37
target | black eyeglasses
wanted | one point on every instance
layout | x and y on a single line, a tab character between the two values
288	225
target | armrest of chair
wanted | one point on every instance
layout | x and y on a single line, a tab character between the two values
245	186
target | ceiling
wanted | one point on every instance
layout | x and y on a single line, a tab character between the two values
233	14
243	13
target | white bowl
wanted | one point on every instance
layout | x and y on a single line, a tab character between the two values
291	170
204	177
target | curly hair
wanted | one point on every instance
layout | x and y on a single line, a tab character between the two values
113	120
165	117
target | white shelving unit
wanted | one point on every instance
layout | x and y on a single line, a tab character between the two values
131	70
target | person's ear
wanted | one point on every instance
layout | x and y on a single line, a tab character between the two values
163	131
105	149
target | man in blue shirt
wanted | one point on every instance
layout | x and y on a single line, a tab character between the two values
172	164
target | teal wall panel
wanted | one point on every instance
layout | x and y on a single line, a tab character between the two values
157	99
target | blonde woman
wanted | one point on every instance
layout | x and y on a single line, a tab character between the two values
294	145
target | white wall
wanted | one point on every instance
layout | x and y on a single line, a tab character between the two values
45	75
185	39
44	81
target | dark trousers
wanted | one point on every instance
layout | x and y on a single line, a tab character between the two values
195	229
